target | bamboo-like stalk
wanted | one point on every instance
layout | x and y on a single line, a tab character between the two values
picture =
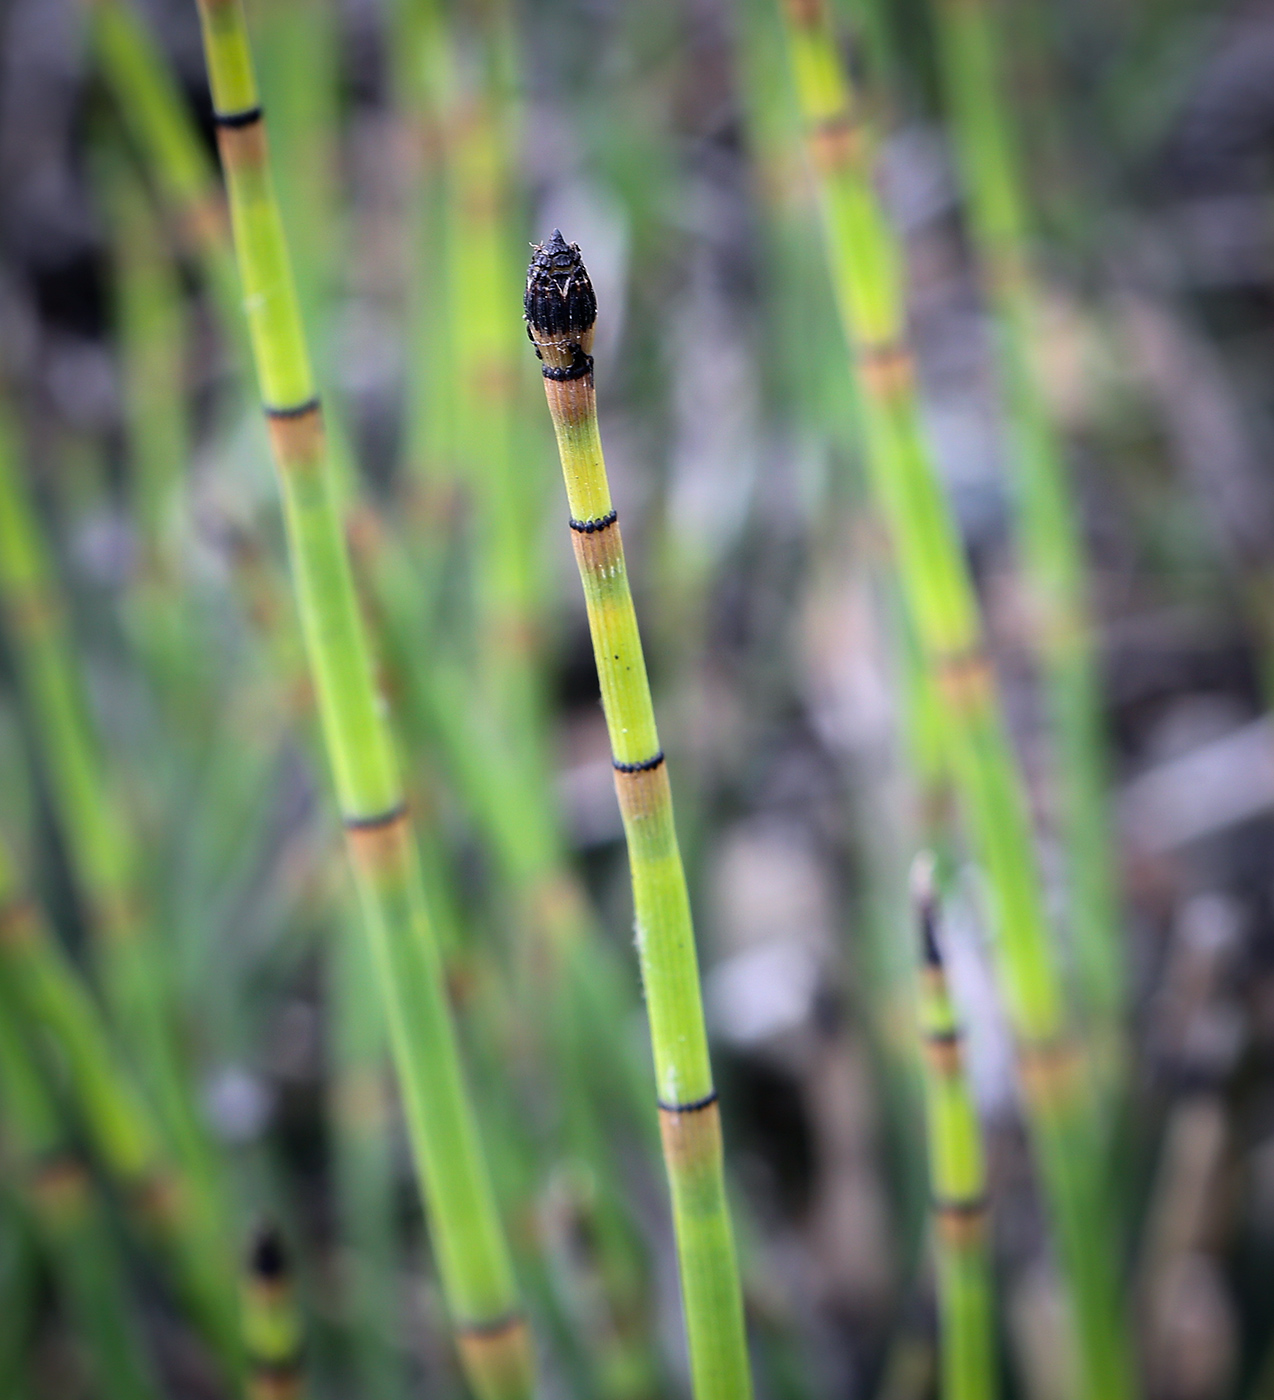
1051	548
71	1219
561	310
360	1112
273	1332
469	1243
48	992
866	264
957	1174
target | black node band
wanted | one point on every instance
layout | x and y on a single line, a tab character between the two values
961	1205
236	121
695	1106
645	766
492	1328
950	1037
592	527
377	820
581	365
296	410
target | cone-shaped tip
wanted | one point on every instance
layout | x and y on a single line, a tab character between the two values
559	302
267	1257
925	901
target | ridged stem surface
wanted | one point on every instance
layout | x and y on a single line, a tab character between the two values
468	1240
561	311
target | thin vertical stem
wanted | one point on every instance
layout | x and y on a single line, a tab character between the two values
273	1333
50	996
1051	548
72	1221
472	1255
561	310
957	1174
866	263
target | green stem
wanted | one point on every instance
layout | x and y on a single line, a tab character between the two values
469	1242
103	856
866	264
163	127
172	1209
1052	551
957	1175
561	310
72	1221
273	1332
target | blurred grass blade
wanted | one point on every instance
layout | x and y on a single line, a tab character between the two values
72	1220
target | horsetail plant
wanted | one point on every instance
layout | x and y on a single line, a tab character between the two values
172	1209
866	264
957	1175
561	310
472	1255
1051	548
71	1220
156	116
273	1334
103	854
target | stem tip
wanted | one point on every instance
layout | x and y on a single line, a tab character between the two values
559	302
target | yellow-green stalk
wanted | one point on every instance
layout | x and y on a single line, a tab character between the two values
469	1243
273	1333
561	310
867	268
957	1173
1051	548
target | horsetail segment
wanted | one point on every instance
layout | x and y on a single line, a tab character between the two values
561	309
1050	544
273	1337
71	1218
866	264
957	1176
49	995
472	1255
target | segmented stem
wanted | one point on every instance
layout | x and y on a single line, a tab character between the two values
72	1220
273	1333
561	310
866	264
1051	547
957	1175
472	1255
48	993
